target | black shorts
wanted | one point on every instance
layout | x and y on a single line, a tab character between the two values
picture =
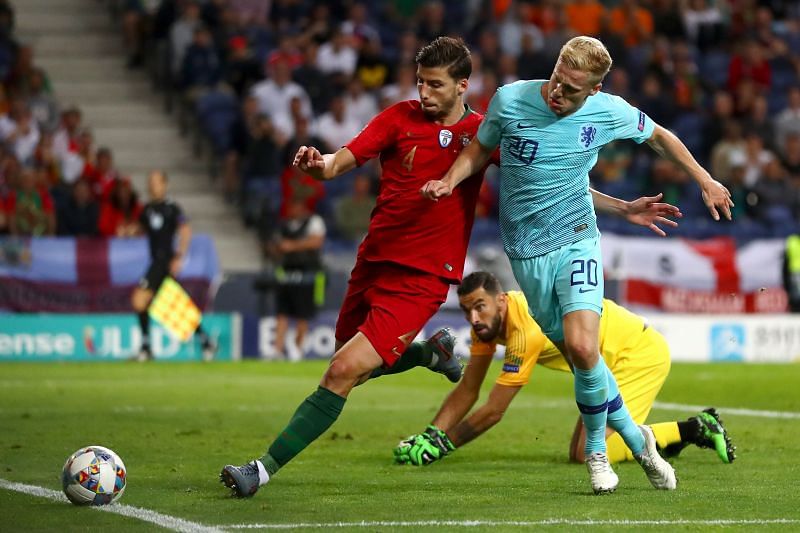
155	275
296	300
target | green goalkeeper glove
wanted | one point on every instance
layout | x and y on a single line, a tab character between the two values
440	439
402	449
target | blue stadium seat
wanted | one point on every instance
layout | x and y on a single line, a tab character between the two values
689	128
714	67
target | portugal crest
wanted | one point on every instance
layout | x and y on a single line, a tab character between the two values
445	136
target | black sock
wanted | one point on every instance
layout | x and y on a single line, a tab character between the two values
202	335
144	324
689	429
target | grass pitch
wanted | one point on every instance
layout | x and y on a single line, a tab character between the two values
176	425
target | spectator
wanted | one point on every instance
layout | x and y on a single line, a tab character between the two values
337	58
749	63
431	21
360	106
787	122
78	215
45	158
66	137
336	127
585	17
791	157
303	136
667	19
776	199
201	70
119	214
29	208
721	113
703	23
532	61
24	138
479	101
301	284
101	175
358	27
312	79
372	70
263	148
42	104
517	24
631	22
181	35
732	141
24	68
404	87
241	136
81	161
759	121
655	102
275	95
757	158
352	213
241	69
134	19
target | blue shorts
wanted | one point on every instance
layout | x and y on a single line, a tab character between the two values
562	281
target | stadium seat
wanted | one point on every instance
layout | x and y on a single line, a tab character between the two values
714	67
689	128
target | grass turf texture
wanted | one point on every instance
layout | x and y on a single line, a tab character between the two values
176	425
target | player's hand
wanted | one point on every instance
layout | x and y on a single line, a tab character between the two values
440	439
717	198
175	266
647	211
401	451
423	451
308	159
435	189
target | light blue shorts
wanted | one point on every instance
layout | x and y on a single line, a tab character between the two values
557	283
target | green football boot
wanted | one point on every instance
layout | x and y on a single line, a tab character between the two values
712	435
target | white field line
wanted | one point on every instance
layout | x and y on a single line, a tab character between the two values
179	524
519	523
166	521
724	411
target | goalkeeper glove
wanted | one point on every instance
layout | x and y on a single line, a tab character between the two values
440	439
402	449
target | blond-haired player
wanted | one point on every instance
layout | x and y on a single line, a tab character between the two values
636	353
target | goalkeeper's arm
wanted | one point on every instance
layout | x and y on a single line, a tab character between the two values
484	418
463	397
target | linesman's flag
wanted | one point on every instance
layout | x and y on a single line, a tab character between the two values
175	311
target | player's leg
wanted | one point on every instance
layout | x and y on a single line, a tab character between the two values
435	353
300	334
141	298
351	364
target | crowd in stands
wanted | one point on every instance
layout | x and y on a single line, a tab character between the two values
53	178
258	78
722	74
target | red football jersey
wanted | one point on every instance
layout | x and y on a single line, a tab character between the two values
405	227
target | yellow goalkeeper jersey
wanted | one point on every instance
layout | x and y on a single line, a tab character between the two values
620	332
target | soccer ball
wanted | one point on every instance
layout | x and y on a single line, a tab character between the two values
93	475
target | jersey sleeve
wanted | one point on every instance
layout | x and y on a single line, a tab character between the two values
521	356
630	122
377	135
180	216
490	129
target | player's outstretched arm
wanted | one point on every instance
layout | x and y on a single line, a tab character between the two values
463	397
484	418
646	211
470	161
324	167
716	196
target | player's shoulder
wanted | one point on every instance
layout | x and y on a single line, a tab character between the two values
610	102
518	88
405	108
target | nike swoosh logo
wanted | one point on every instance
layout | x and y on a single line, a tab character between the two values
581	290
524	126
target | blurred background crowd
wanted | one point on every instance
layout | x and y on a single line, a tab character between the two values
251	80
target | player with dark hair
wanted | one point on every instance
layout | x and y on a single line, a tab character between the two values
408	259
161	220
636	354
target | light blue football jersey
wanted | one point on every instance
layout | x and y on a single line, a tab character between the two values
545	162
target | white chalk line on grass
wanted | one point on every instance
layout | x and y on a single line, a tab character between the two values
519	523
179	524
730	410
146	515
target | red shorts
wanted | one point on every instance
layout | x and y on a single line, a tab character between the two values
389	304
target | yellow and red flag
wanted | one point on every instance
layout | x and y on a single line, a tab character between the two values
174	309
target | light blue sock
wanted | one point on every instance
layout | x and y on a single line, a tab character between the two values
619	418
591	395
